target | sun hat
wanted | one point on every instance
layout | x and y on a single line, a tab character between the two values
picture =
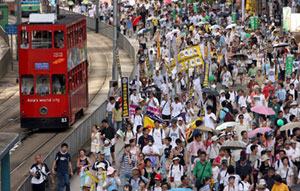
264	158
214	138
157	177
110	170
101	165
176	158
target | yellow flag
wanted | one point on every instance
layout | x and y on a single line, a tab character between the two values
148	123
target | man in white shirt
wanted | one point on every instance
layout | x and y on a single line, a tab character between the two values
258	98
152	101
158	135
176	107
210	118
165	107
181	125
134	98
226	77
109	107
137	118
158	79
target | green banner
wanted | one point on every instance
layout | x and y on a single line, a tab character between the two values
195	8
233	16
254	23
289	64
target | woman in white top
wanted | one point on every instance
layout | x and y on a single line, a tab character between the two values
244	184
231	186
175	172
134	150
129	134
286	172
95	142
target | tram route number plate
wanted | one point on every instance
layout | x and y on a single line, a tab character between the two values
11	29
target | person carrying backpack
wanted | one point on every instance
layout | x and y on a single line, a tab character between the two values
175	173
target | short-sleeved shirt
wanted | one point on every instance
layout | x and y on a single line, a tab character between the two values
204	168
109	133
44	171
62	162
281	187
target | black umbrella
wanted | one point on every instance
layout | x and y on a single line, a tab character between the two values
210	91
223	14
239	56
281	45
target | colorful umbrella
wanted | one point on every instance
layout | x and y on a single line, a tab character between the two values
225	125
234	145
259	130
136	20
168	2
290	125
263	110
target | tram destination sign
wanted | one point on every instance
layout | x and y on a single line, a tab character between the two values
11	29
42	66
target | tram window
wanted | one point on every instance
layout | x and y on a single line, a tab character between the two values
41	39
27	84
24	40
58	84
42	84
59	39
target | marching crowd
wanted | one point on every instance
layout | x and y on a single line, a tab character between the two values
228	123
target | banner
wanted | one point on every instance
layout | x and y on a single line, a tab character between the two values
148	67
125	97
118	62
132	110
254	23
188	58
154	110
287	11
206	74
289	64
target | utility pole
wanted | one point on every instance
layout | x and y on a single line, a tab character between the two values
19	12
57	7
115	43
97	16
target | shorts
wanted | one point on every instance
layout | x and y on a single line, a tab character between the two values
95	148
112	149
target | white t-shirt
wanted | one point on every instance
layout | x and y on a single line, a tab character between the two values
259	99
244	186
166	107
148	149
109	107
45	171
177	107
134	99
208	122
136	120
226	81
242	101
151	103
176	171
216	172
158	135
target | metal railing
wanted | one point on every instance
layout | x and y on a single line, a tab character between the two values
81	134
6	58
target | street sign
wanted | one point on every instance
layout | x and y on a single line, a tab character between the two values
11	29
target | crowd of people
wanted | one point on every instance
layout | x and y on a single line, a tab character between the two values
225	129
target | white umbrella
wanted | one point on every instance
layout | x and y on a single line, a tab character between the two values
290	125
215	27
225	125
230	26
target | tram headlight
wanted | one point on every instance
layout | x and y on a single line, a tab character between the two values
43	110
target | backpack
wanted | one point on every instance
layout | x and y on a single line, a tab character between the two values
228	116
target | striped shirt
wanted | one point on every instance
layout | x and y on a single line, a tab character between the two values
126	167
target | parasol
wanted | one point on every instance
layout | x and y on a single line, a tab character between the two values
204	128
290	125
225	125
281	45
234	145
210	91
230	26
144	30
259	130
136	20
263	110
215	27
239	56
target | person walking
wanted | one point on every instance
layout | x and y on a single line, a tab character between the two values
63	166
202	170
39	172
83	163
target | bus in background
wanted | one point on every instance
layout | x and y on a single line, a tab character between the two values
53	70
30	6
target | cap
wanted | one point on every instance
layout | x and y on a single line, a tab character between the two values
174	120
110	170
135	168
176	158
222	91
157	177
214	138
86	186
106	141
222	134
180	119
254	139
264	158
294	103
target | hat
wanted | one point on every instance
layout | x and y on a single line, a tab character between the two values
222	134
180	119
101	165
294	103
157	177
135	168
254	139
222	91
224	162
214	138
141	99
287	142
106	141
261	186
110	170
264	158
86	186
174	120
262	182
176	158
293	142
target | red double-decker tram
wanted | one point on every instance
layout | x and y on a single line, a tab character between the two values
53	70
